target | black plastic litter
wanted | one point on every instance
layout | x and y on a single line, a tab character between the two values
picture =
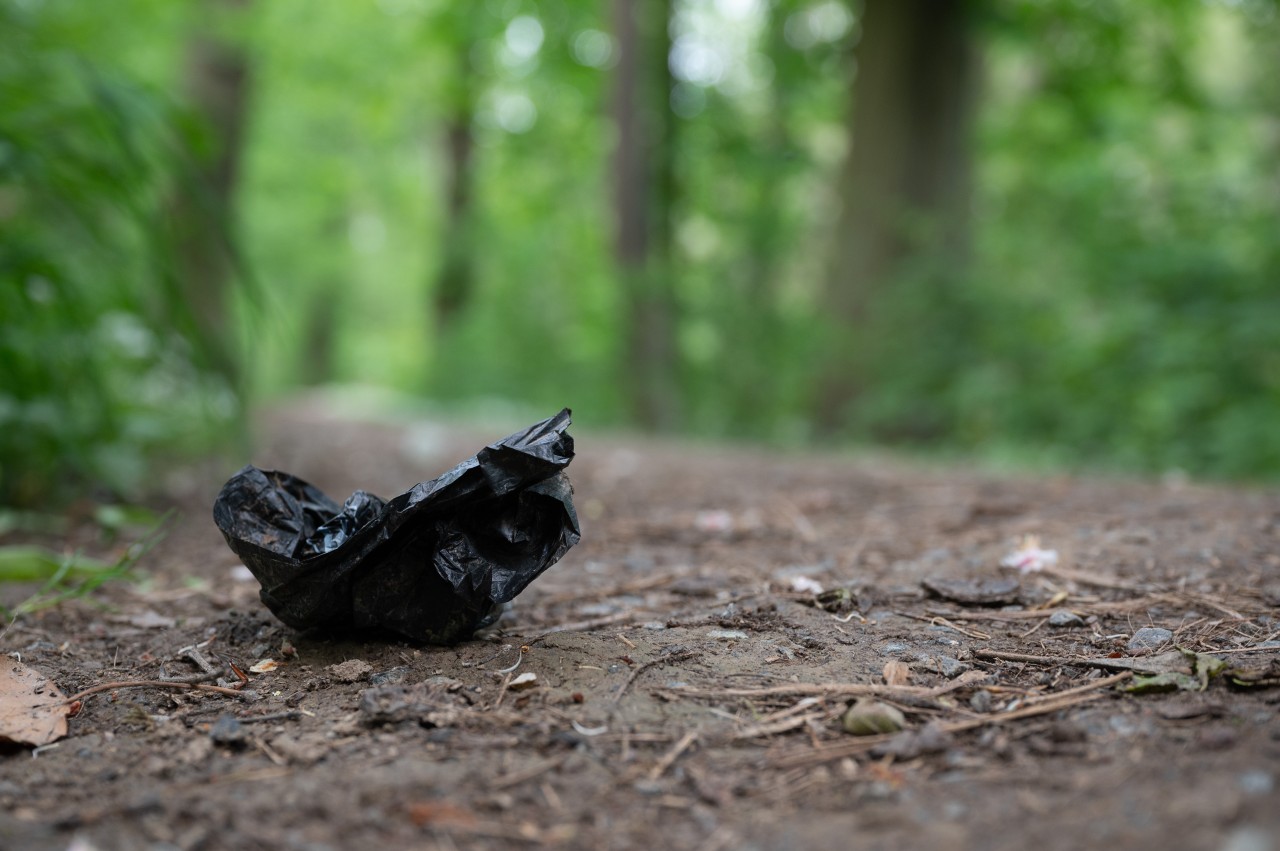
434	564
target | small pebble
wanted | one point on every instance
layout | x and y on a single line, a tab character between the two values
895	647
391	677
981	701
1256	783
1249	838
1147	640
656	626
350	671
1217	738
871	717
726	634
951	668
1064	618
227	730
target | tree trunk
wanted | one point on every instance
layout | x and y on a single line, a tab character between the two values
455	278
644	189
906	182
217	84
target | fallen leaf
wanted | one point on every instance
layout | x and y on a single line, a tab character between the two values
440	814
1256	675
524	681
1171	662
32	710
973	592
896	673
1160	683
264	667
1177	670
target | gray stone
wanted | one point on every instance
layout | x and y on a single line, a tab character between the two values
1148	640
227	730
391	677
1256	783
1249	838
1064	618
951	668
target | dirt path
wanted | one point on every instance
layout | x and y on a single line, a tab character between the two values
689	693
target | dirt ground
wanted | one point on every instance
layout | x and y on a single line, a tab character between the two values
690	690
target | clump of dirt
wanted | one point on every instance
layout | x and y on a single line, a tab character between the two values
680	679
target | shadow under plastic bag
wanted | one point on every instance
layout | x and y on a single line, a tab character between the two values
433	564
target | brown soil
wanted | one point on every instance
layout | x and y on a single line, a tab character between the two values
686	694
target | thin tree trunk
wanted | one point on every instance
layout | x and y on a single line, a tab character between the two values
218	84
455	279
906	181
644	190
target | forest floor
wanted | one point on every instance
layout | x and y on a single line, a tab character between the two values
689	690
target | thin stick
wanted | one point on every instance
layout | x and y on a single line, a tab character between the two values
1089	578
781	725
502	692
669	758
287	715
965	680
938	620
1239	650
604	593
515	778
1034	629
579	626
1001	656
670	657
1102	682
153	684
1051	703
1043	706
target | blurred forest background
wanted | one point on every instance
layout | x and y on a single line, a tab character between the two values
1045	231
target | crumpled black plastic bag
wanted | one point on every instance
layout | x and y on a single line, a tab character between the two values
434	564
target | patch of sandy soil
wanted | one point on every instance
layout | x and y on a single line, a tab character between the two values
689	689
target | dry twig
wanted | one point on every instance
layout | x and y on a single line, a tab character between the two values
80	695
669	758
670	657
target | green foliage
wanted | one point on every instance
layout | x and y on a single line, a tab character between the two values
1123	306
66	577
100	365
1119	309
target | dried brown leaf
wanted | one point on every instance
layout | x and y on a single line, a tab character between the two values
32	710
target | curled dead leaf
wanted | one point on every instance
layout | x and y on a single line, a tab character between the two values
32	710
523	681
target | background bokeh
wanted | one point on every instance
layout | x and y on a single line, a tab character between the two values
1045	232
